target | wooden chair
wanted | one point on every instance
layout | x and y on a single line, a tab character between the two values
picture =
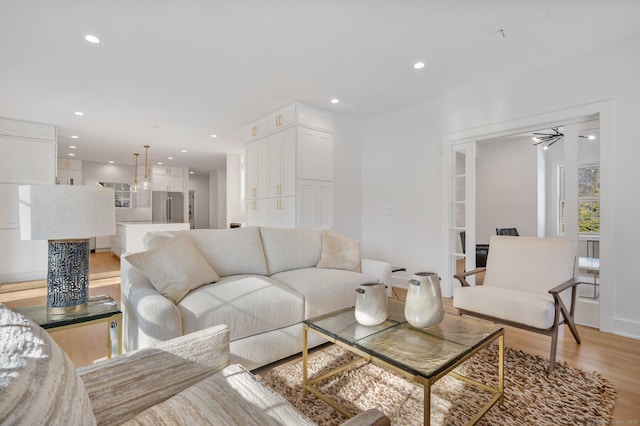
526	285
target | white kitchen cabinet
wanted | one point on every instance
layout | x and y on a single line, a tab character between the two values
258	212
168	178
257	169
28	157
282	212
315	154
281	118
297	145
255	130
315	204
282	163
26	161
69	172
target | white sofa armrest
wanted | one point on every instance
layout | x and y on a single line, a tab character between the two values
379	269
121	387
149	317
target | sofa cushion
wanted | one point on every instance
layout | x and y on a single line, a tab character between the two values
38	383
324	290
231	251
232	396
247	304
154	239
339	252
533	309
294	248
174	268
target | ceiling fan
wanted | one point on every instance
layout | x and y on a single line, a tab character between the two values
551	138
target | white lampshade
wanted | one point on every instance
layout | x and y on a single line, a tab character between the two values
55	212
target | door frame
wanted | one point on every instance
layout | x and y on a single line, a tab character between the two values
604	111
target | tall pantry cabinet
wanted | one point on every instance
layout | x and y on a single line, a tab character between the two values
289	168
27	156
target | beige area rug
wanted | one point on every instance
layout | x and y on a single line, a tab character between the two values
569	396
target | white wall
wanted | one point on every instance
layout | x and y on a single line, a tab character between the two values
200	184
401	160
347	198
236	204
218	199
506	182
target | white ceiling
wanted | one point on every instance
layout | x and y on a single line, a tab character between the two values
197	67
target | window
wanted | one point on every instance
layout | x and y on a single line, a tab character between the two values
588	199
122	192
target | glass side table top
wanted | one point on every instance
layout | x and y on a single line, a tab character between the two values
423	352
98	307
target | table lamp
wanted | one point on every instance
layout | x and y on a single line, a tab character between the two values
67	216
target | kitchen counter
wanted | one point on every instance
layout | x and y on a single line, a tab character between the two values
129	235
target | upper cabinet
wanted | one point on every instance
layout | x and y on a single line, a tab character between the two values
171	179
287	146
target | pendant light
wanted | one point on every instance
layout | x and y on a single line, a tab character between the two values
146	184
135	186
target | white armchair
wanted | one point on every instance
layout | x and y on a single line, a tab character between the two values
529	283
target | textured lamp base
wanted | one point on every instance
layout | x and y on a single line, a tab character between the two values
68	276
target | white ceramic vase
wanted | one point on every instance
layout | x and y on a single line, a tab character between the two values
372	306
424	307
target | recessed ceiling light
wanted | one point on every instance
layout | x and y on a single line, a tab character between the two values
190	172
169	158
591	137
214	136
535	139
335	101
79	113
92	39
111	162
159	163
74	137
418	65
71	154
184	150
72	146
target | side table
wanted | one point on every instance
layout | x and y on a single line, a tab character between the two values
99	309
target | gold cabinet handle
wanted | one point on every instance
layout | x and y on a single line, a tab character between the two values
253	205
254	192
279	204
254	131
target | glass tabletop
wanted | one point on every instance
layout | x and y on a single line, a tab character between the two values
98	307
424	352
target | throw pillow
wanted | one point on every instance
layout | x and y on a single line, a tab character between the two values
174	268
339	252
38	383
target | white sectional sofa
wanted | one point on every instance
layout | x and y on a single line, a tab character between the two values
267	281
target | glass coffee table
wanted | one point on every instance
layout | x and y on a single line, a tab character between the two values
99	309
421	355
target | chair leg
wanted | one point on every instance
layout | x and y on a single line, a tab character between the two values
554	347
568	319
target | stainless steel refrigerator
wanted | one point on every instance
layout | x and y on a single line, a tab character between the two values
167	207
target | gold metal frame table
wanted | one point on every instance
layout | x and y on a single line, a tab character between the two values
99	309
421	355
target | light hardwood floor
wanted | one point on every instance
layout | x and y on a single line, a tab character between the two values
616	358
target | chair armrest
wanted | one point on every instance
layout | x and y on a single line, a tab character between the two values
565	285
461	277
371	417
121	387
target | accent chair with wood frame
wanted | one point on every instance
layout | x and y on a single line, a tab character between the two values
528	283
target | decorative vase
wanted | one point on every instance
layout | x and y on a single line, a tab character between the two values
372	306
423	307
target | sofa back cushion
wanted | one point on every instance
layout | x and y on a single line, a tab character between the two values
38	383
291	248
231	251
529	263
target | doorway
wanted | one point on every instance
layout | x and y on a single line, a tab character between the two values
573	116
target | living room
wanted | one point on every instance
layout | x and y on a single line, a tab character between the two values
390	172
